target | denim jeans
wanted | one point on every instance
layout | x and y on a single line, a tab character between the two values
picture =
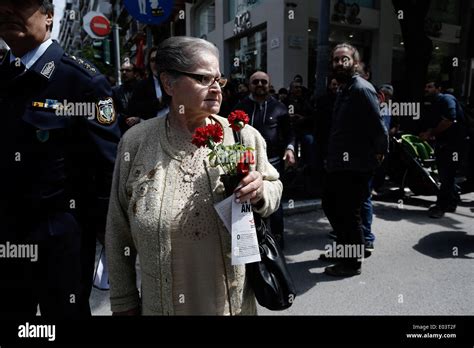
307	149
366	215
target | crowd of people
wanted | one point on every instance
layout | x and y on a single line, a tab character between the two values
130	170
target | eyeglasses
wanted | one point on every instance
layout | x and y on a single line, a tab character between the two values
257	81
205	80
152	60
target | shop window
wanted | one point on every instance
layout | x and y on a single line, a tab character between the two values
360	39
251	52
441	64
206	19
362	3
445	11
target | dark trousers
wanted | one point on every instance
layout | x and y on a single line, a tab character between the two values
53	281
448	157
344	193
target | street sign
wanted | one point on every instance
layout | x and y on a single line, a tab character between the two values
100	26
149	11
96	25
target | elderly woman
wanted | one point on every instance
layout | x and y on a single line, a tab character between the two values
163	195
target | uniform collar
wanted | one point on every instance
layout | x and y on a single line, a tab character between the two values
49	61
45	65
30	58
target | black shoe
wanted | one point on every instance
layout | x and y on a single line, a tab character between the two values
369	246
435	212
450	209
333	235
341	270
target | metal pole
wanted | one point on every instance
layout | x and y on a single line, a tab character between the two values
323	49
149	38
116	30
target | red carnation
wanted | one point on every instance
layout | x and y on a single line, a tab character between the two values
238	119
208	135
245	161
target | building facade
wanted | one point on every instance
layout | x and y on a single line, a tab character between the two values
280	36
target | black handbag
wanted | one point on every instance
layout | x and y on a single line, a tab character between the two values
270	279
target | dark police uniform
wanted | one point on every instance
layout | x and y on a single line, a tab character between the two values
55	180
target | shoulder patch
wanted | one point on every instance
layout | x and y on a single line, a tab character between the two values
106	111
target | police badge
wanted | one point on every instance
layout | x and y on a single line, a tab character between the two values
106	111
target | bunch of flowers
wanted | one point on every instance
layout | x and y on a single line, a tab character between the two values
234	159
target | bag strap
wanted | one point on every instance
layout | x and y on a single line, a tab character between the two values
236	136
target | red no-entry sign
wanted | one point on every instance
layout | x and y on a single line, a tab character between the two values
100	26
96	25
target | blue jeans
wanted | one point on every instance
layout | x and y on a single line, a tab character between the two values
366	215
307	149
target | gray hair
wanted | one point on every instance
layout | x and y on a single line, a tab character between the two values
181	53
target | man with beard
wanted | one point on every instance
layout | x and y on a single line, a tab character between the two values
270	117
56	166
357	144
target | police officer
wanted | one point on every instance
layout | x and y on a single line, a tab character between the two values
57	146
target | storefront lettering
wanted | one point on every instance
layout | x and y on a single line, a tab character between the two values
242	22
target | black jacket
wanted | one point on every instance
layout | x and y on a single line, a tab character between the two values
144	103
122	95
272	120
357	129
64	158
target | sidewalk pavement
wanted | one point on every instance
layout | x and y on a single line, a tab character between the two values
292	207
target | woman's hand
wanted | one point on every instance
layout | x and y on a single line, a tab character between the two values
250	188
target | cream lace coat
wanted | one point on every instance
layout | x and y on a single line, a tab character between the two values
137	222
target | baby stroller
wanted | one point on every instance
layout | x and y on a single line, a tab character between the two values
413	165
